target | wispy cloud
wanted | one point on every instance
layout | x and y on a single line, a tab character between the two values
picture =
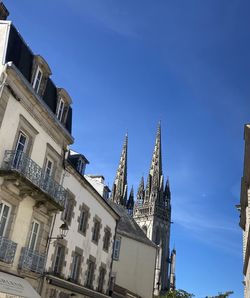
207	226
110	15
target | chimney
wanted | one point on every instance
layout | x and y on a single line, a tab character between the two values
3	11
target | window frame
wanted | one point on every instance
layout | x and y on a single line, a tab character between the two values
60	109
90	274
75	269
106	239
83	221
96	231
34	222
37	88
8	216
68	211
101	279
117	248
59	263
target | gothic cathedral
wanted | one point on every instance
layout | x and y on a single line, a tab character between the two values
152	210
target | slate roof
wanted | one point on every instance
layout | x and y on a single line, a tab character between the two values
128	227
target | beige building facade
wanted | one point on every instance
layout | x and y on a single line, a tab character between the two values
35	131
81	263
134	259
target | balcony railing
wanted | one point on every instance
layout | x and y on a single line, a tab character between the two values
20	162
7	250
32	260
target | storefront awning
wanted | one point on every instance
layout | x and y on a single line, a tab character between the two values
11	284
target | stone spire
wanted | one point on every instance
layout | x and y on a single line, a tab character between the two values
119	190
155	177
130	202
172	270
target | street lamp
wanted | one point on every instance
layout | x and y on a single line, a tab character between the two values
63	232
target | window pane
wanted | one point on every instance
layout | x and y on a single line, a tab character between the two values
4	214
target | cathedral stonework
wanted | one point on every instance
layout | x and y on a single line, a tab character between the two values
152	212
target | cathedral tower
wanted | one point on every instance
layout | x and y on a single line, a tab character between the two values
119	189
152	212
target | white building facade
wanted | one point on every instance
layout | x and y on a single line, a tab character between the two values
35	131
80	264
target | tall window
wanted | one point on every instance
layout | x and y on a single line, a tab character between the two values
48	173
60	109
58	263
101	279
21	147
4	217
38	79
106	240
96	231
76	262
117	247
68	210
48	167
83	221
90	274
35	227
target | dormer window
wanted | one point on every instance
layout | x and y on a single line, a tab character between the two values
81	165
60	109
37	79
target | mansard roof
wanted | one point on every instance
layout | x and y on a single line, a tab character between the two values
23	58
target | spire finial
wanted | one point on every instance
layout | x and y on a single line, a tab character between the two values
119	190
155	172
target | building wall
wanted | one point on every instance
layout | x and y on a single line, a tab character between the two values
135	268
97	209
22	109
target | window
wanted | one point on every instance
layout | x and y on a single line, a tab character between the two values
21	147
81	165
90	274
48	167
83	221
101	279
48	173
68	210
59	259
96	231
117	249
21	142
4	217
38	79
60	109
76	262
106	239
35	227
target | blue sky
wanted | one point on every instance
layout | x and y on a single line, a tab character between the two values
127	65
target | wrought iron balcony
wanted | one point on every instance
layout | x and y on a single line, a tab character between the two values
32	260
7	250
20	162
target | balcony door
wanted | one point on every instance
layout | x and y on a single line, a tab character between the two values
35	227
4	217
21	147
48	173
